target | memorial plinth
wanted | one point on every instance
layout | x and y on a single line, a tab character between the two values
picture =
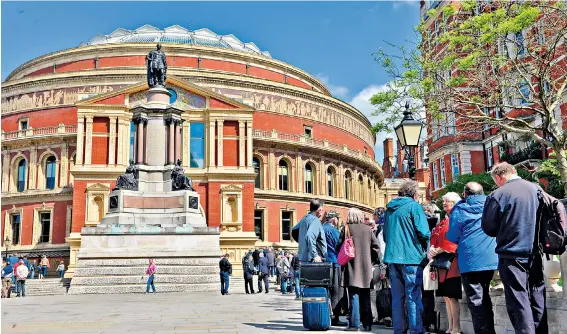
153	213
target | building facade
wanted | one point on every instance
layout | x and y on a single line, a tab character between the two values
258	137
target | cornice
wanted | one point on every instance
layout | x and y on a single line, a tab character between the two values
32	196
141	49
287	196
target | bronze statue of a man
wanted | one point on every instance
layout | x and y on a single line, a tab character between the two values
157	68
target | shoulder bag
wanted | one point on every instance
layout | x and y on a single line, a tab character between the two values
443	261
347	251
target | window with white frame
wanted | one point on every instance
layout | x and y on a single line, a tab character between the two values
435	183
443	127
23	123
45	223
442	169
490	158
455	165
16	229
451	123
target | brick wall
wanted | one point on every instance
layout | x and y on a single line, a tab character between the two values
41	118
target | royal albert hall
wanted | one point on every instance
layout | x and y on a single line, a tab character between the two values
259	139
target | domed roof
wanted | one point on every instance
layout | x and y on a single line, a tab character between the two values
176	35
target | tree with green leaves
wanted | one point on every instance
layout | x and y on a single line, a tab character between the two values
484	65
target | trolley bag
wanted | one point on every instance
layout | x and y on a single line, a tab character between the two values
316	274
316	309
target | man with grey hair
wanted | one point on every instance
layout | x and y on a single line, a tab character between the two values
475	254
406	234
310	235
510	215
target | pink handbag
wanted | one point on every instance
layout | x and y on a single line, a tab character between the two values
347	249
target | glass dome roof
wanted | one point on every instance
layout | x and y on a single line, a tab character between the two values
177	35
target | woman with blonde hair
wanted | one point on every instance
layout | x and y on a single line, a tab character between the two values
449	281
357	273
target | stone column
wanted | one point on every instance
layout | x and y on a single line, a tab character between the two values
121	154
171	141
272	174
140	142
64	163
322	177
177	140
250	136
89	140
80	143
241	144
32	183
300	174
5	170
220	145
112	142
212	124
186	143
340	181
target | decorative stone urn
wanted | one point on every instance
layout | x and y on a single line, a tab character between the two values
552	273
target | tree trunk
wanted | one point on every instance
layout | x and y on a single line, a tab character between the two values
562	165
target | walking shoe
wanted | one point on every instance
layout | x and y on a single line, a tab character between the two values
338	323
352	329
367	328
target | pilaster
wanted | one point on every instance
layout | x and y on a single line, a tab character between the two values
322	178
112	142
340	182
212	124
5	170
80	143
89	140
300	174
241	143
273	176
122	138
249	140
32	183
220	137
63	166
186	144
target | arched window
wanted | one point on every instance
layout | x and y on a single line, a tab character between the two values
348	184
22	175
257	180
50	172
283	175
308	179
330	181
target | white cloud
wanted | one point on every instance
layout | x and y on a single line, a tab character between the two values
336	90
404	3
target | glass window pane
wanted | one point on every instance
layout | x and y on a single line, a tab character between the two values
256	164
15	229
258	224
21	175
197	145
132	137
50	173
286	225
45	219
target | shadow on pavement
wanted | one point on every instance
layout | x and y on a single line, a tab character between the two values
276	325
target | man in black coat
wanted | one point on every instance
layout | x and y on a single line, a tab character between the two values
225	272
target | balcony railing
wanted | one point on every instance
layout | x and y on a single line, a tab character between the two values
40	132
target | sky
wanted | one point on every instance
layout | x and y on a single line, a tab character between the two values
333	41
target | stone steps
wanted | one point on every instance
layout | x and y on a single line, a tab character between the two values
141	288
139	271
46	287
159	279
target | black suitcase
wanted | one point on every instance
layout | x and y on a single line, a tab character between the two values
316	274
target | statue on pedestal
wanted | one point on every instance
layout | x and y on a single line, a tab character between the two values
157	68
178	179
128	180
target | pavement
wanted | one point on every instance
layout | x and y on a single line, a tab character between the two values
157	313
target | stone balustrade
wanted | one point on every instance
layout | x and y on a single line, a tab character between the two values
39	132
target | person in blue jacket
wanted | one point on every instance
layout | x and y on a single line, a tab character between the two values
476	254
406	235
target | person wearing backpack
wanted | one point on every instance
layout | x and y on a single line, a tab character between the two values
510	214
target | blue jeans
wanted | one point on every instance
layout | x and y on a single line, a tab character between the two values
150	283
44	271
284	286
406	281
21	287
360	307
224	282
297	287
15	282
272	270
61	273
32	274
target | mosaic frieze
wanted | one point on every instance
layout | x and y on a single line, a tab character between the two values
53	97
298	108
184	99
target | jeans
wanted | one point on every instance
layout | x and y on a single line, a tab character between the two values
360	307
297	286
477	286
406	281
44	271
61	273
21	287
32	274
150	283
224	282
524	290
272	270
284	286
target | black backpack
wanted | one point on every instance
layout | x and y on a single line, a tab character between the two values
552	225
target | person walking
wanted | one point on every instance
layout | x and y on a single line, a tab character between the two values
61	269
406	235
449	280
7	274
33	266
476	256
263	273
248	269
295	267
225	268
357	273
271	256
510	215
22	273
284	269
15	276
44	266
310	235
151	276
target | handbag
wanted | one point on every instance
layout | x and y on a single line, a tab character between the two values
430	281
347	251
443	261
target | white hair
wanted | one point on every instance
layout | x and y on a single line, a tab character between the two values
451	197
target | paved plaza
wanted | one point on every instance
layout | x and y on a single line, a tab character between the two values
159	313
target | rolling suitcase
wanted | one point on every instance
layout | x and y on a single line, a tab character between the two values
316	274
316	309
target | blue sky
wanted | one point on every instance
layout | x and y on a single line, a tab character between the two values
331	40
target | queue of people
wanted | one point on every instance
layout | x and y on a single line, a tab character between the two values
16	270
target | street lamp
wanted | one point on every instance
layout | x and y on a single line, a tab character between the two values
408	133
6	243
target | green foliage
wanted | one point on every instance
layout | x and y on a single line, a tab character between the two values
549	170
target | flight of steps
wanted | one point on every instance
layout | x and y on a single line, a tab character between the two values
46	287
125	275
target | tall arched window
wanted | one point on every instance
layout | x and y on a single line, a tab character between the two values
308	179
348	184
257	180
330	182
22	175
283	175
50	172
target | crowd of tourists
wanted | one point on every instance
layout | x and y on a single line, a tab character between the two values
17	269
406	256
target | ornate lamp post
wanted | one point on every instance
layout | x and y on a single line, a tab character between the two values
408	133
6	244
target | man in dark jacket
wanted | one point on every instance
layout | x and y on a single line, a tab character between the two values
405	234
263	273
510	215
271	256
225	272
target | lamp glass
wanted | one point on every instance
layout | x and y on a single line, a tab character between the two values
400	135
411	132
